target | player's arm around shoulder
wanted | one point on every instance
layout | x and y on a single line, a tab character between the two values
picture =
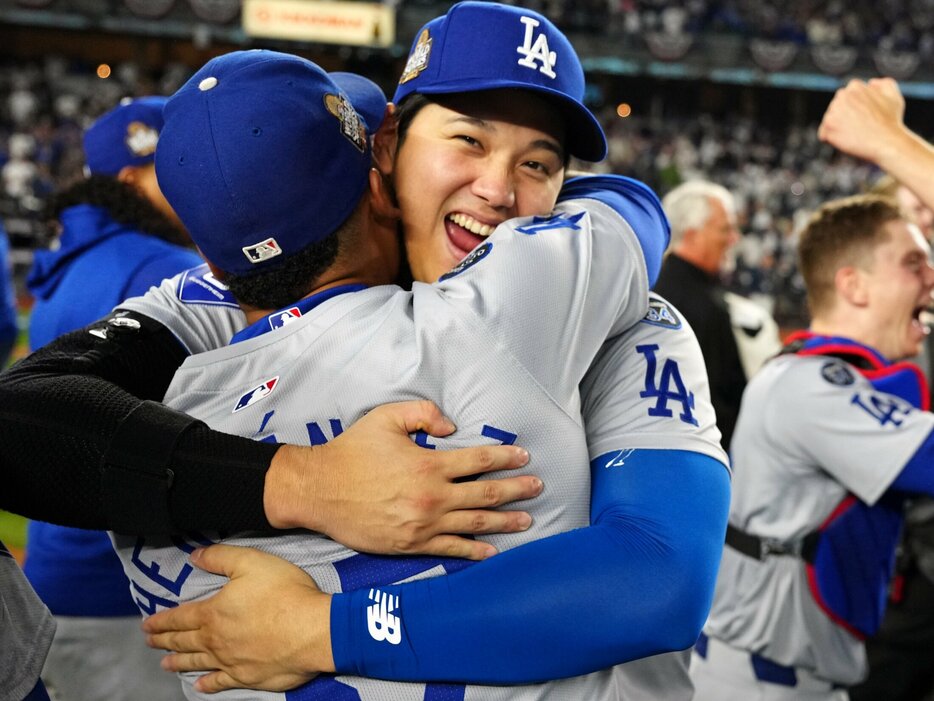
658	471
635	203
572	278
648	387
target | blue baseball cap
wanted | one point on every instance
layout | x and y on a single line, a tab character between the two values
486	46
124	136
264	153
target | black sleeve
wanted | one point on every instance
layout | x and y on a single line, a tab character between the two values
83	441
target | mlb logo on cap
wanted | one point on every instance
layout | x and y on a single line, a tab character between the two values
124	136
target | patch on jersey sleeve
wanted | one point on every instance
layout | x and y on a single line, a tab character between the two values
837	373
257	393
475	256
199	286
661	313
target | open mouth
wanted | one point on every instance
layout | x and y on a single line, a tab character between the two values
921	319
465	232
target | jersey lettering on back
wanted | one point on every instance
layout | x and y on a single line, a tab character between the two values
556	221
316	435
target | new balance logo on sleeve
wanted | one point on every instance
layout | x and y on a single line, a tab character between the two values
380	622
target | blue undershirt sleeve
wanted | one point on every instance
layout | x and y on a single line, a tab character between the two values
918	474
637	582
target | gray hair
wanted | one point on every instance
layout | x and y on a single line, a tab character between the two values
688	206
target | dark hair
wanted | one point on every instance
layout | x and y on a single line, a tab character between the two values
124	204
288	282
277	285
406	112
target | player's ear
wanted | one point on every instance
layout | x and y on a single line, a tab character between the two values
850	283
128	175
383	197
385	141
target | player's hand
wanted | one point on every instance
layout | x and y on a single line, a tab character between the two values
374	490
865	119
268	628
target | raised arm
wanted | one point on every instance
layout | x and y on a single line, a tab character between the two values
866	120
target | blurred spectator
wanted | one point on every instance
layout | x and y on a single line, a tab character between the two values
703	229
118	236
8	326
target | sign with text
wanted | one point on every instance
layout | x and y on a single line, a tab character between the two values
351	23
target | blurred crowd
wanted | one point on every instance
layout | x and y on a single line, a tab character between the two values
904	25
776	176
44	109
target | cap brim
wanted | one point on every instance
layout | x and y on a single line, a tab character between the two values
367	98
585	137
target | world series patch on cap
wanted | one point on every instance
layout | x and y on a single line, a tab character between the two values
264	153
124	136
488	46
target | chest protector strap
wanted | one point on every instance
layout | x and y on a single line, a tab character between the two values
852	563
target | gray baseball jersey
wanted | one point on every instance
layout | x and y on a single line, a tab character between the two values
473	343
616	417
810	431
26	630
202	317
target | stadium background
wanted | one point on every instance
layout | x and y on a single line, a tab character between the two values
729	90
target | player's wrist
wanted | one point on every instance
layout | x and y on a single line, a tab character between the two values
892	145
318	653
290	494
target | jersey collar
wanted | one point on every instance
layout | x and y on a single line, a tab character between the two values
281	317
817	342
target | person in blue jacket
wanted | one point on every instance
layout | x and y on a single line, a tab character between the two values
117	236
8	327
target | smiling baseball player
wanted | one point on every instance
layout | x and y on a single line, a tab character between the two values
831	437
422	344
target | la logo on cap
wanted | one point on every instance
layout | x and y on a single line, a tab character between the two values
141	139
536	49
264	250
418	59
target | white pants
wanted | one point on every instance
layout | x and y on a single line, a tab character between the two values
106	659
727	674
